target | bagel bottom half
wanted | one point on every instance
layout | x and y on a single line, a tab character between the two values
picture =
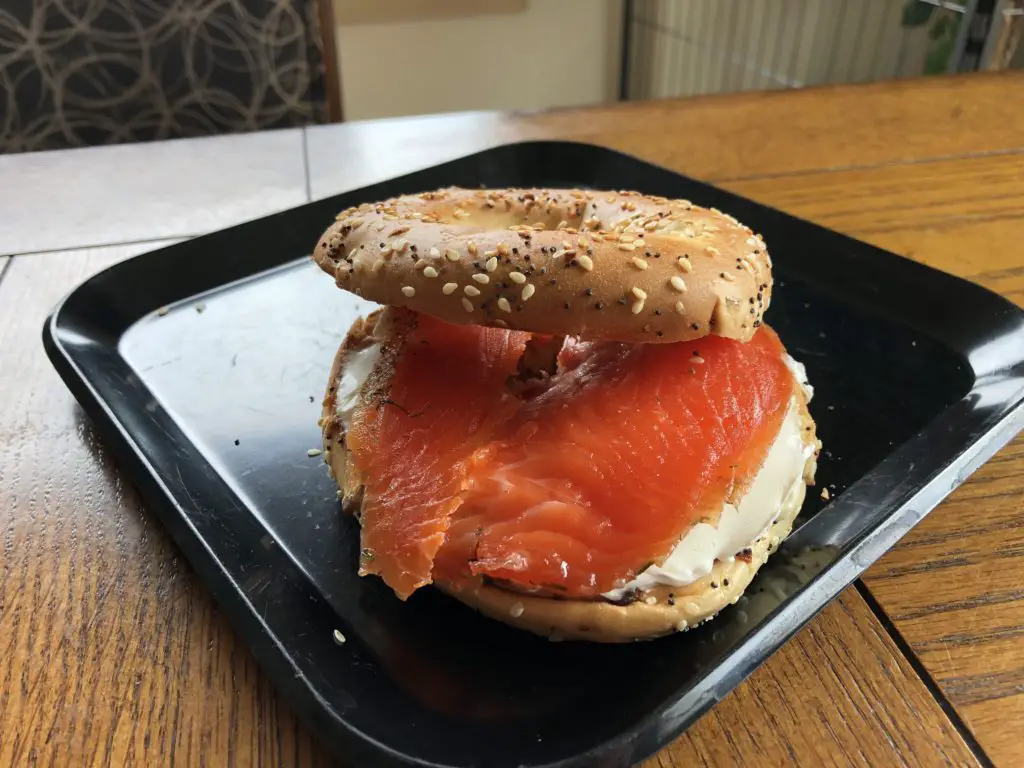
656	612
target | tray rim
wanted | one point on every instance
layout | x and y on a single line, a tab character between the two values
991	434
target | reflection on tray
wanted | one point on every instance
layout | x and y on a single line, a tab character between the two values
443	655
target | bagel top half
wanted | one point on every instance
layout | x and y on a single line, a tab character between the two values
600	265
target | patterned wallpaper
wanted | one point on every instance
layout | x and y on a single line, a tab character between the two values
83	72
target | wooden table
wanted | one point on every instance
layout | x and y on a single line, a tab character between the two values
111	651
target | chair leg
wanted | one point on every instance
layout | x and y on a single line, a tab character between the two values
332	67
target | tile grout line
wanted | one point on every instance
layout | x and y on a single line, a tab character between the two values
933	687
6	267
110	244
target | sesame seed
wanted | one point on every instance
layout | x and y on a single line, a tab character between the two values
752	242
697	359
430	272
677	282
517	277
729	276
626	247
471	247
680	308
516	610
684	264
639	263
339	638
481	278
451	255
490	265
586	262
528	291
503	305
650	600
567	245
712	251
398	231
467	304
433	253
471	290
408	291
377	265
640	293
638	307
313	452
502	249
449	288
461	214
682	625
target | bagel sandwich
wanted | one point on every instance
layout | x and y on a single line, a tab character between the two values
568	412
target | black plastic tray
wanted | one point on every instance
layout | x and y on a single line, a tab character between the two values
210	408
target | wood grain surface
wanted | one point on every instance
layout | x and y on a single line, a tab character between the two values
113	653
954	588
712	137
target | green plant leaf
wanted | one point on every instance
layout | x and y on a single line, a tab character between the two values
916	13
937	60
943	26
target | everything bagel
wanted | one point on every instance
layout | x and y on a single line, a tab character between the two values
569	413
601	265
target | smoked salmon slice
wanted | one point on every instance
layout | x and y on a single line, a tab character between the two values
573	490
446	396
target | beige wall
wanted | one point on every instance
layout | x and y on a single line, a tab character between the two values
483	62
